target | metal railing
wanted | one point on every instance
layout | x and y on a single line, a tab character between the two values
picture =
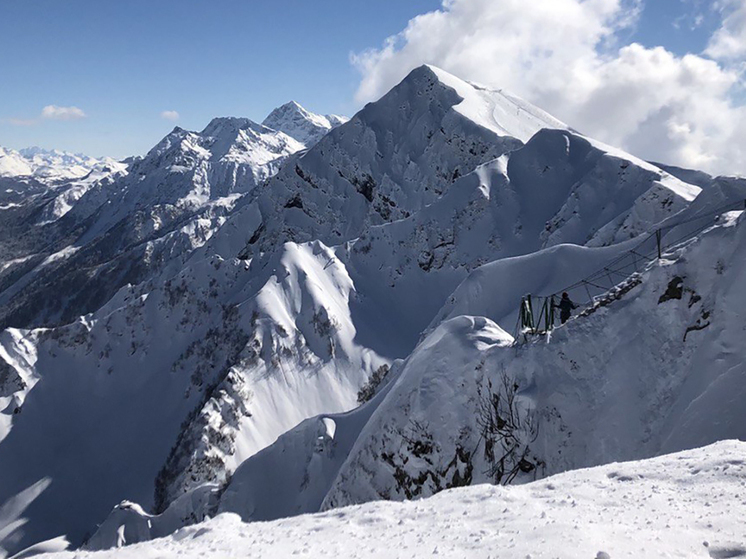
615	274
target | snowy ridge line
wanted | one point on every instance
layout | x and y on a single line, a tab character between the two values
636	255
644	256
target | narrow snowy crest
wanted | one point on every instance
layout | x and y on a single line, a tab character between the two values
497	110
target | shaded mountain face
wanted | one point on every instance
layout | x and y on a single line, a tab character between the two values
390	160
116	227
270	284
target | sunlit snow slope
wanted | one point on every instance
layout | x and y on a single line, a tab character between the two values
682	505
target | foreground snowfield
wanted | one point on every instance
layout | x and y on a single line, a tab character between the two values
690	504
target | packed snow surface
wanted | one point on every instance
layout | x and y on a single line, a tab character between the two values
689	504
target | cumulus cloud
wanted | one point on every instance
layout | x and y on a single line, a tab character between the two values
170	115
729	42
54	112
50	112
564	56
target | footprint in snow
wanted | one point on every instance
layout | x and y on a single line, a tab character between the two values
726	552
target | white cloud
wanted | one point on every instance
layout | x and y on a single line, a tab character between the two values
562	55
170	115
54	112
729	42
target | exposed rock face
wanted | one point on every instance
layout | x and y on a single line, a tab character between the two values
122	227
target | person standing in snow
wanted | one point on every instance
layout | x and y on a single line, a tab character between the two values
566	306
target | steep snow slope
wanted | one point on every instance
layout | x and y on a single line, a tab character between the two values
249	353
391	159
106	231
497	110
661	369
682	505
300	124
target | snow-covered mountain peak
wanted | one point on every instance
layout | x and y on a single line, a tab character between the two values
227	125
245	141
301	124
33	151
495	109
13	164
224	140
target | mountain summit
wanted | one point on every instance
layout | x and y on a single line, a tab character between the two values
305	126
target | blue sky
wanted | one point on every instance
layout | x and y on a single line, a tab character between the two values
124	63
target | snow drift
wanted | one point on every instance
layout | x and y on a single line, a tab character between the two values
679	505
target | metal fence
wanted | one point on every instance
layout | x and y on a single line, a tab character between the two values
538	313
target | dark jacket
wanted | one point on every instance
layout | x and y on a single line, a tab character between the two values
566	306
